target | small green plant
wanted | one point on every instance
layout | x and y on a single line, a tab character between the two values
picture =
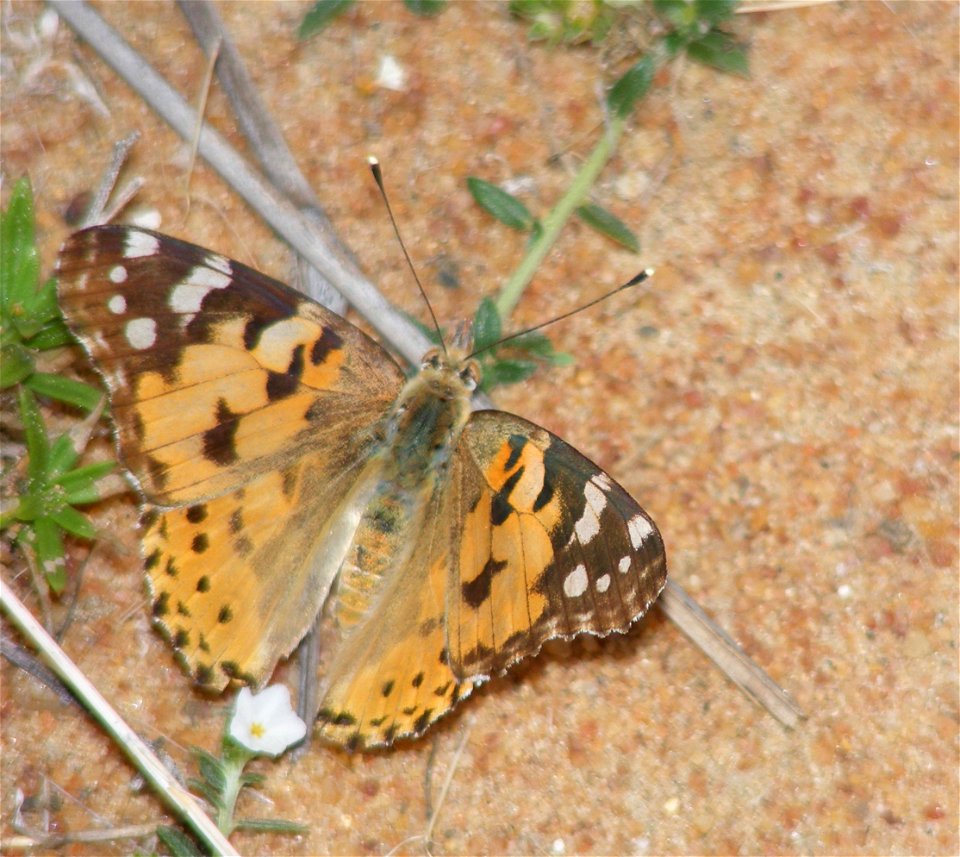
48	497
514	361
691	27
46	491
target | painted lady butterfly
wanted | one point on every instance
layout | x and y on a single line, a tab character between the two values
284	460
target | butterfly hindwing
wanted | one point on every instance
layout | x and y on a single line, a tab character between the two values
236	581
391	676
216	372
548	545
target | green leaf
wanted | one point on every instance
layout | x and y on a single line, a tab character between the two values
271	825
53	334
714	11
609	224
538	345
487	326
74	522
500	372
65	390
321	13
48	546
19	258
211	769
199	787
177	842
502	205
35	432
82	477
627	91
16	363
62	457
425	8
720	50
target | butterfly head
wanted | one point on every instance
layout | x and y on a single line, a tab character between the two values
450	374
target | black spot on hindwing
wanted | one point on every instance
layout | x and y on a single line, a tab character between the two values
476	591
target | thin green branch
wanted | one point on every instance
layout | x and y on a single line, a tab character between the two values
554	222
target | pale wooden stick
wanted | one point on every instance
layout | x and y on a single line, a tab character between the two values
717	645
179	799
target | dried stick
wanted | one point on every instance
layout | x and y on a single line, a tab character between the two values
267	143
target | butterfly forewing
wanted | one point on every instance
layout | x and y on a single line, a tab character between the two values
548	545
216	372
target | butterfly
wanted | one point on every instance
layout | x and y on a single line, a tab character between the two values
288	466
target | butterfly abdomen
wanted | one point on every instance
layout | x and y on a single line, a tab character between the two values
421	433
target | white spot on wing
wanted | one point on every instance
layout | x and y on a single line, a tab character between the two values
639	529
118	274
575	583
624	565
589	524
117	304
188	295
141	333
603	583
140	244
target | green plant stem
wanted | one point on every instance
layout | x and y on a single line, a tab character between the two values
235	759
231	792
512	290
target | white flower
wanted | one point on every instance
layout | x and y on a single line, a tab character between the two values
265	723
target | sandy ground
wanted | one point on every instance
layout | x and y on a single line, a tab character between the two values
783	400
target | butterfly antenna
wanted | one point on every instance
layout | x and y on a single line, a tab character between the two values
639	278
378	178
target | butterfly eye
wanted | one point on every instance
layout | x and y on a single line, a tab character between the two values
431	360
470	375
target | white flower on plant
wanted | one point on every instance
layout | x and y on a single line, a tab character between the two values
265	723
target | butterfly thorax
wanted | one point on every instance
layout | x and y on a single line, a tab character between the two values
420	435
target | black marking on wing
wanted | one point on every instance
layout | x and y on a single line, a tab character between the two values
329	341
283	384
501	508
476	591
219	445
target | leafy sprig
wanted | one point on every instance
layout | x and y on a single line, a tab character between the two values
688	26
30	320
42	509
